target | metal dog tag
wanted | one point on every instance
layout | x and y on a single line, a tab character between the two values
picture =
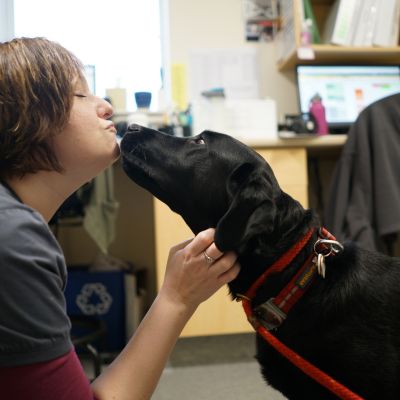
321	264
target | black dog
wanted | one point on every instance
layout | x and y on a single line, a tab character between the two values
347	324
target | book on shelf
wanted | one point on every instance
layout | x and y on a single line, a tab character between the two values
363	23
386	32
286	40
308	15
339	26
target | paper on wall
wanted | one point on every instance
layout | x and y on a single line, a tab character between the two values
235	70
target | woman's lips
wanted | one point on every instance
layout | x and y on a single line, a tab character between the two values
112	127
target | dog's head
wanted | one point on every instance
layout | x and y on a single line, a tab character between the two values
211	180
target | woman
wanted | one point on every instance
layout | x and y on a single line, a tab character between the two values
54	137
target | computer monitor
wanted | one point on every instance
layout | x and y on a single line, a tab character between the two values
345	89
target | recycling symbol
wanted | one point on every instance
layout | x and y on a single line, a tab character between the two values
94	299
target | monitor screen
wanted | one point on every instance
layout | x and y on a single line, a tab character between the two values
345	89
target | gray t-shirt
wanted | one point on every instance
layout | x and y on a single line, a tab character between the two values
34	325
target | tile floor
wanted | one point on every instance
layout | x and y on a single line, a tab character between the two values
211	368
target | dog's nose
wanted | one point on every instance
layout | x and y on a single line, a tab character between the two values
134	128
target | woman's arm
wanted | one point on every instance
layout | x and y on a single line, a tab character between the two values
189	280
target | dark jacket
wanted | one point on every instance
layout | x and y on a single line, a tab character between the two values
364	199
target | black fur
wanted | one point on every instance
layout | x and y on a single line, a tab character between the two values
348	324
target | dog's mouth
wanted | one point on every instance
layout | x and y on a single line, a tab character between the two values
135	166
134	161
138	172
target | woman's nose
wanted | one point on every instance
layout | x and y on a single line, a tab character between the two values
105	109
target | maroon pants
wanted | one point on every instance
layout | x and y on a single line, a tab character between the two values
59	379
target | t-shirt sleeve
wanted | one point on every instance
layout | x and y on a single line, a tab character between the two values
34	326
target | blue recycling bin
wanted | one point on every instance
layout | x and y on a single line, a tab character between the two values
98	295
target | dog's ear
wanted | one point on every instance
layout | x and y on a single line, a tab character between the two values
252	209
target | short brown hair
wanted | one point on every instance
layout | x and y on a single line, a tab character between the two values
37	81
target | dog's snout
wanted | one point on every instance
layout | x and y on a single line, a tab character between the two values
134	128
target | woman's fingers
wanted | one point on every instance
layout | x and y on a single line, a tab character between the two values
196	269
223	264
230	274
201	242
204	246
212	254
181	245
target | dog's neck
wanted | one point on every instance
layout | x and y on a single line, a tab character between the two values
257	254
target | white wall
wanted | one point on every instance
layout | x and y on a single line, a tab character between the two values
6	20
219	24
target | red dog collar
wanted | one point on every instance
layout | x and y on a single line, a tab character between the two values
273	312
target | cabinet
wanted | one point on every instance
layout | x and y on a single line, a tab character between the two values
289	42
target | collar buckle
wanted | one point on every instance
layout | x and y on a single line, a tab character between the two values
269	315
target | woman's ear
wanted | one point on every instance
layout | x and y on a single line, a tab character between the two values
252	208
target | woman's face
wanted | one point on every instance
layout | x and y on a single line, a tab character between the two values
87	145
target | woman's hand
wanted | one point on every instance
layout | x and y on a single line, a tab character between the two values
196	269
190	279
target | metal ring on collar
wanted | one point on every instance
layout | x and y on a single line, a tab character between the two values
333	246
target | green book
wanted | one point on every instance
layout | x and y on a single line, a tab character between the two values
309	14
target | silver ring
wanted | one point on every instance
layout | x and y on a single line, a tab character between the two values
333	246
209	259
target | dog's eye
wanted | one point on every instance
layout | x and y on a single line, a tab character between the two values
199	141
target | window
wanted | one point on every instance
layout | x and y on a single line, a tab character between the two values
120	38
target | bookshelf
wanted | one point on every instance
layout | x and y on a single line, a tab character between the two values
327	53
330	54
